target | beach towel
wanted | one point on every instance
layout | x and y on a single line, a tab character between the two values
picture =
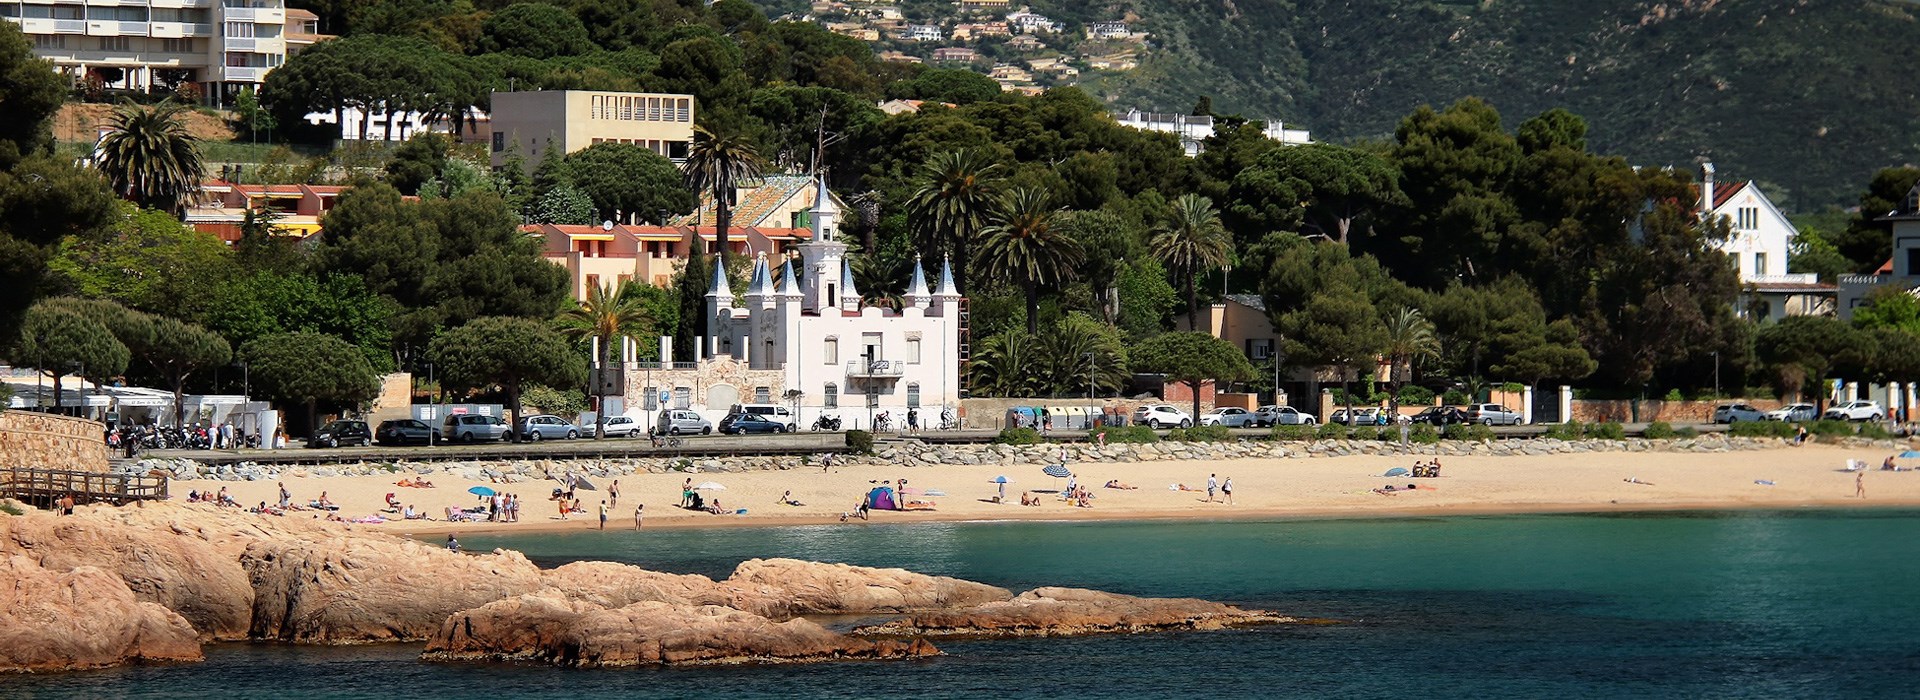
1763	482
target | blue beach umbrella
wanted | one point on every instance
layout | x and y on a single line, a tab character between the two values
1000	480
1396	471
481	491
1057	471
1910	454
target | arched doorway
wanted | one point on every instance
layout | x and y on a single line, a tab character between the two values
721	397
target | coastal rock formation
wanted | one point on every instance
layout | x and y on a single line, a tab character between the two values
611	585
550	628
372	588
817	588
184	574
83	618
1060	612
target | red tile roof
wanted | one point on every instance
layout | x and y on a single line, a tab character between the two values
1723	193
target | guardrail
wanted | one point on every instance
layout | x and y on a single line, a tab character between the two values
585	448
44	486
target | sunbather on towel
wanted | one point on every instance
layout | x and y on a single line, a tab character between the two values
1116	484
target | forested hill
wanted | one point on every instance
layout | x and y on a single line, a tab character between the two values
1809	95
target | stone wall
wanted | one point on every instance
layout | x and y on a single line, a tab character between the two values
46	441
1621	411
991	413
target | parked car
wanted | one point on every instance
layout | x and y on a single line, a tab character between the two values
473	427
1736	412
773	412
1794	413
1159	415
1360	415
1229	416
403	432
1441	415
623	426
1281	415
680	421
342	432
542	426
1493	414
1856	410
743	423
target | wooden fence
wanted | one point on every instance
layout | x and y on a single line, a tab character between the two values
45	486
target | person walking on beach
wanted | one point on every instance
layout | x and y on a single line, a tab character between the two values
1859	484
603	515
1212	486
686	492
636	515
286	497
613	494
1226	489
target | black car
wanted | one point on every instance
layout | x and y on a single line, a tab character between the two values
741	423
342	432
403	432
1441	415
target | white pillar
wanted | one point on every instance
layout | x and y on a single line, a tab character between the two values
1566	403
1526	404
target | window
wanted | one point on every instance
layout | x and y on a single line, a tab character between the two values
239	30
44	41
176	45
650	399
913	395
682	397
832	395
1759	263
1259	348
762	394
114	43
833	351
913	351
499	142
1747	218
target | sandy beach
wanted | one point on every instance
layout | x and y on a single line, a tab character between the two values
1263	488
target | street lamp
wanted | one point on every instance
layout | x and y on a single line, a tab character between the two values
1716	374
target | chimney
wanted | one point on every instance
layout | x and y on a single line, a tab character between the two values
1706	189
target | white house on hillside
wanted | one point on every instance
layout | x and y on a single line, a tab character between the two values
1902	271
1760	242
1194	130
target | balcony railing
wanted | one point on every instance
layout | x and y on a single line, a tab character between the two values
239	44
1795	278
243	74
132	28
876	369
69	26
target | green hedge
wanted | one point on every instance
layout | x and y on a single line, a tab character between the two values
1201	433
1607	431
860	442
1473	431
1765	428
1424	434
1128	434
1659	430
1293	432
1331	431
1570	430
1018	436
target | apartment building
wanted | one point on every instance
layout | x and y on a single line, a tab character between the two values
532	123
223	46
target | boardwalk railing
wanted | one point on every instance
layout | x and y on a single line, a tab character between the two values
44	486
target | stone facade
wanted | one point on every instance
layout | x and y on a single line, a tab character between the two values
1621	411
47	441
716	384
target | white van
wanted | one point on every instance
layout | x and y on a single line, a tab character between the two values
680	421
772	412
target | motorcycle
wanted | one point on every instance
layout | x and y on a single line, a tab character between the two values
827	423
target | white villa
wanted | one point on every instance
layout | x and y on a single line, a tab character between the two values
1759	244
1194	130
1902	270
806	340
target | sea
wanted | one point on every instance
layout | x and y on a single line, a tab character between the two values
1738	604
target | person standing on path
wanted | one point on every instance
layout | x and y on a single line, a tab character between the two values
636	515
1859	484
603	515
1212	485
613	494
1226	489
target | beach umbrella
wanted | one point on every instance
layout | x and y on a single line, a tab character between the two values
1396	471
1910	454
1000	480
580	482
481	491
1057	471
709	486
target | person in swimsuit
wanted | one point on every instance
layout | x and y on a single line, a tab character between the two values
1226	489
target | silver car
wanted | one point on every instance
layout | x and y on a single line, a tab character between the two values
1794	413
1493	414
683	422
624	426
1737	412
1229	416
1281	415
543	426
473	427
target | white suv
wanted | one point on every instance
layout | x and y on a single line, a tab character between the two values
1856	410
1160	415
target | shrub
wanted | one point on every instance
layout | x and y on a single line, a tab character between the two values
1875	431
1830	428
1513	387
1416	395
1607	431
1659	430
1455	397
11	508
1762	429
1673	395
860	442
1687	432
1293	432
1423	434
1201	433
1331	431
1471	432
1018	436
1570	430
1129	434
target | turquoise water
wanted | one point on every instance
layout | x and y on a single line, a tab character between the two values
1695	605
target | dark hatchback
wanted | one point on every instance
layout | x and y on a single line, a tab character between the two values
403	432
741	423
342	432
1441	415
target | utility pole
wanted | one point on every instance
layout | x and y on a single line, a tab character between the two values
1090	404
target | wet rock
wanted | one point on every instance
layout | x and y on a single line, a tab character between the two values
1056	612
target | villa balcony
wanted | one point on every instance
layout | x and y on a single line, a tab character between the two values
876	369
1796	278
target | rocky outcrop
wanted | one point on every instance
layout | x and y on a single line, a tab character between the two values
1060	612
82	618
372	588
611	585
817	588
548	627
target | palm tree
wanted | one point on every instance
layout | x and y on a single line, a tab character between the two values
149	156
1410	339
720	163
1005	365
881	279
1022	246
950	203
609	317
1191	242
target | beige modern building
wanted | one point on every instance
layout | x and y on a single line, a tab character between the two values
616	253
220	45
570	120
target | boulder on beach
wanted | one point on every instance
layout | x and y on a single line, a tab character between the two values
372	588
82	618
1060	612
184	574
548	627
818	588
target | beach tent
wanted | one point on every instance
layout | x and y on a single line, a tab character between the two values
882	499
